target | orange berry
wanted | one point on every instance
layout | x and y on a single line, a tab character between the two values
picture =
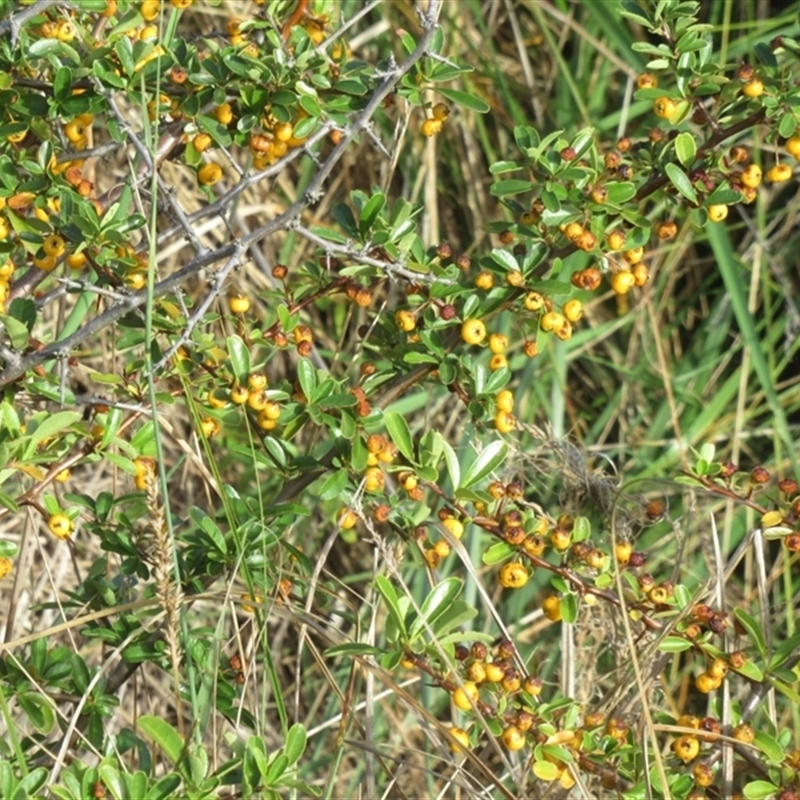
209	174
647	81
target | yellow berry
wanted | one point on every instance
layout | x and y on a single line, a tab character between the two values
149	9
498	361
473	331
257	381
717	212
65	31
216	399
63	476
664	107
46	263
465	696
405	320
514	277
634	256
54	245
504	422
374	479
573	310
552	321
209	426
461	742
224	113
504	401
573	231
209	174
718	668
513	575
60	526
753	88
431	126
455	526
793	146
239	304
283	131
686	747
622	282
484	280
239	394
780	173
347	519
623	552
201	142
6	565
513	738
647	81
551	606
640	274
498	343
77	260
615	240
441	111
442	549
533	301
257	399
751	176
705	683
744	733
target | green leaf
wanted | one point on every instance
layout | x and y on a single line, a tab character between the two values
752	671
504	259
465	100
784	651
164	735
165	787
239	354
680	180
451	460
435	604
619	193
39	711
686	148
674	644
759	790
498	552
344	216
53	424
370	212
753	628
389	594
769	747
569	607
334	485
398	430
492	456
295	746
307	377
17	331
509	187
